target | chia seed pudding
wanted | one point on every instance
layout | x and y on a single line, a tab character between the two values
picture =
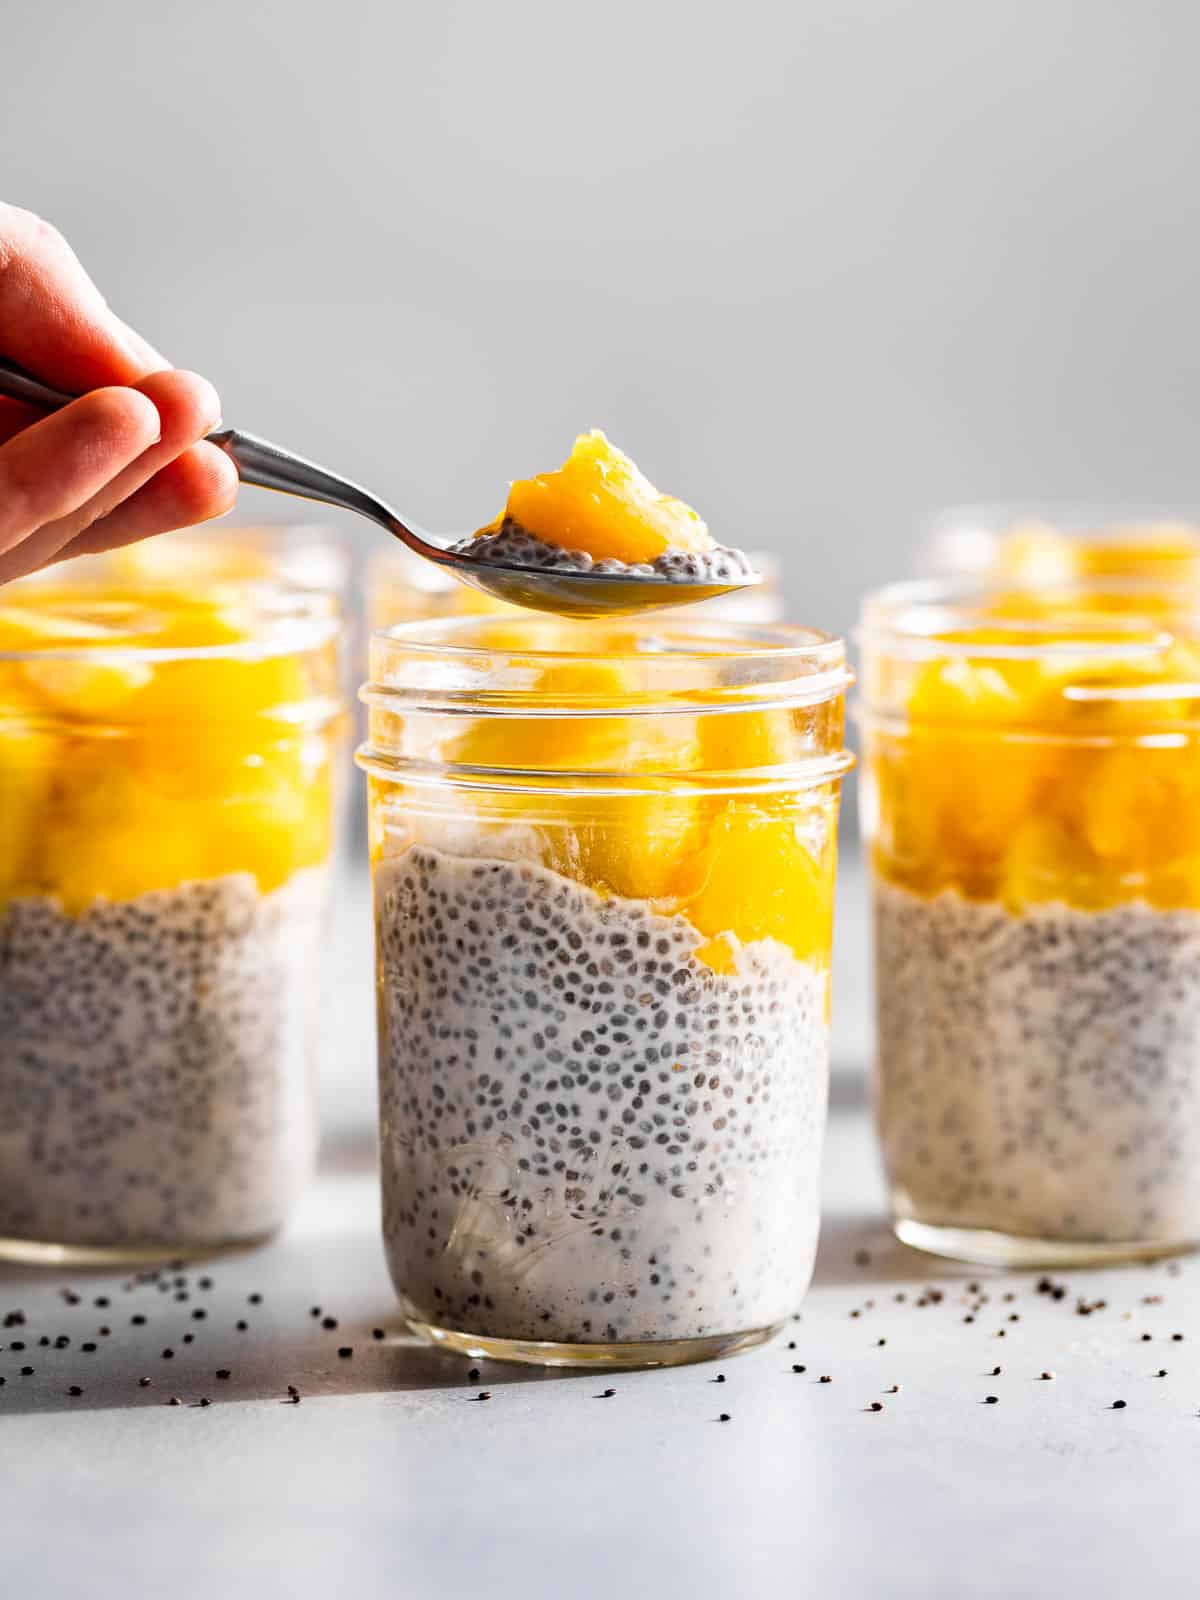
588	1135
1037	1073
155	1064
513	546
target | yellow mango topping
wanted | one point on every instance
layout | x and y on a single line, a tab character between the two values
758	877
121	773
598	502
739	871
1068	777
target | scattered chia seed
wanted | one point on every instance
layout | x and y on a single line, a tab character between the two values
1146	1337
607	1394
168	1355
174	1401
17	1344
254	1299
329	1322
188	1337
204	1283
862	1258
724	1417
474	1375
378	1333
204	1401
876	1405
314	1311
1177	1338
995	1372
1161	1373
1046	1376
138	1320
484	1394
991	1400
27	1372
199	1314
143	1383
825	1379
222	1372
799	1368
895	1389
75	1390
720	1378
101	1301
345	1351
1117	1405
88	1347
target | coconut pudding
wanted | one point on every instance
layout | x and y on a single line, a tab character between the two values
165	791
603	928
598	513
1033	809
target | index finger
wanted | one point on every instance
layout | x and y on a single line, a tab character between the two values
54	320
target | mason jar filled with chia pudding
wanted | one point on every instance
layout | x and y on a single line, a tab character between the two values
603	862
166	808
1032	808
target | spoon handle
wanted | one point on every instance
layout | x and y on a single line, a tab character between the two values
260	463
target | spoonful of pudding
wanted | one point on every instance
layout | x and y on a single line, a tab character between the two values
593	539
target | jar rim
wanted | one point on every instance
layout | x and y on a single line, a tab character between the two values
446	671
299	619
912	617
908	621
806	665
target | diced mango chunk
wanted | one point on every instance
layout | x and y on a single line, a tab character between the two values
757	877
600	503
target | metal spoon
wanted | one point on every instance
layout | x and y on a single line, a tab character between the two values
573	594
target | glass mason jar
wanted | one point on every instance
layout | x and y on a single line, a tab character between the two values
402	587
1033	543
1031	798
166	803
603	861
303	556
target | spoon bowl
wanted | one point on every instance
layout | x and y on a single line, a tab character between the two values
567	593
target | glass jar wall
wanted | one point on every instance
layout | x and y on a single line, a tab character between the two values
166	810
603	863
1031	794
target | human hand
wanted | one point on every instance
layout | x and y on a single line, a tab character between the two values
118	464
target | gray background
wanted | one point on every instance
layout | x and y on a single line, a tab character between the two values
821	267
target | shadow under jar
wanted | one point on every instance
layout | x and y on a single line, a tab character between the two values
1032	807
603	866
166	807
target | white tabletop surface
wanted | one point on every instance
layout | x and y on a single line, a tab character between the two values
390	1479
